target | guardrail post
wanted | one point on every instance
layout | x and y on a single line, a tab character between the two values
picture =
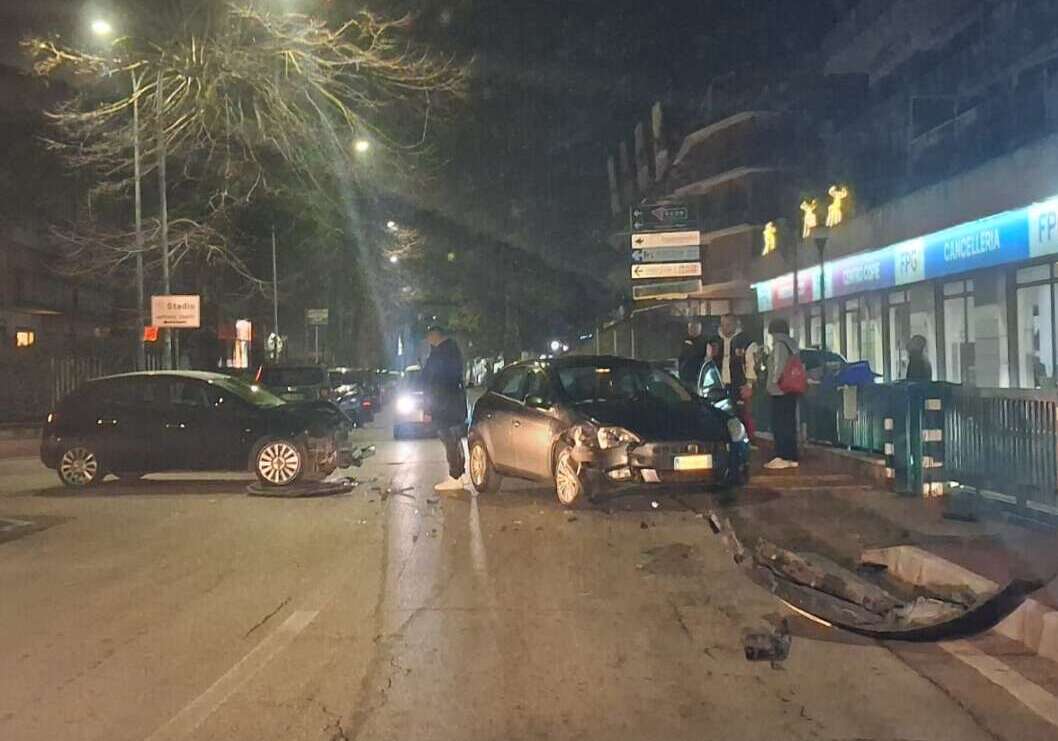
932	459
889	427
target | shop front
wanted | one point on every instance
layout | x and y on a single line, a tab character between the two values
982	294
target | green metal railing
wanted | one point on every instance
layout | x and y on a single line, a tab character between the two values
999	444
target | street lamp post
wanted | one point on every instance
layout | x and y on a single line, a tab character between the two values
141	351
103	29
820	235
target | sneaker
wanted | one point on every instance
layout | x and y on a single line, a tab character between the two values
449	484
775	464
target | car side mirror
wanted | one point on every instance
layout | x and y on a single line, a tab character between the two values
537	402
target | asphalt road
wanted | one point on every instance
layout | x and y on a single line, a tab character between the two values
179	607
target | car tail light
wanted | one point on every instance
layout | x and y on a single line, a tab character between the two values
366	402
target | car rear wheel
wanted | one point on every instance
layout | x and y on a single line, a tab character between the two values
79	466
569	484
279	462
482	473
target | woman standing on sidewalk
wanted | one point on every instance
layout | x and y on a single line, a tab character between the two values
783	402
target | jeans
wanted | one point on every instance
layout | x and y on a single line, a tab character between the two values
784	426
452	439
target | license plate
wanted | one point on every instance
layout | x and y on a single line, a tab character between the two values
693	462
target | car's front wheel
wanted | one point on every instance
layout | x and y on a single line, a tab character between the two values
79	466
279	462
570	486
482	473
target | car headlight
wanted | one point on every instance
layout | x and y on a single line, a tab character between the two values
611	437
405	405
736	430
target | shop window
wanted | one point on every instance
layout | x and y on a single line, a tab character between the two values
25	337
911	312
1036	339
975	331
863	330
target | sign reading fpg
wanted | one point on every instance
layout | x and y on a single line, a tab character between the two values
175	311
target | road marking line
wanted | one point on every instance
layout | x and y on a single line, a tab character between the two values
196	712
1030	694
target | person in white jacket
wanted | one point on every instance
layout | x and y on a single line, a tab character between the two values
783	405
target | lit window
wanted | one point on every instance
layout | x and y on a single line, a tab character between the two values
25	338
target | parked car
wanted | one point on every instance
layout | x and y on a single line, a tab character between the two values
296	383
592	424
138	423
349	394
409	418
820	364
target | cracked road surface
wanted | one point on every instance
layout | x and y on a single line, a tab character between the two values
180	608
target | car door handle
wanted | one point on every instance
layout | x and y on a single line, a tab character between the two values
517	423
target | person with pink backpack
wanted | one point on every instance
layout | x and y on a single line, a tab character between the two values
787	380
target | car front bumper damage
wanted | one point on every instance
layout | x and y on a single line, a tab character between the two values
654	463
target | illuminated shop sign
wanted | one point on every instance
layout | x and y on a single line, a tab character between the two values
1005	238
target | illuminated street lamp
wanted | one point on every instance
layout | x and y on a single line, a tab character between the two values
393	259
555	345
361	146
102	27
391	225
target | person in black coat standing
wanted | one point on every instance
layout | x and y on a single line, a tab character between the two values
445	402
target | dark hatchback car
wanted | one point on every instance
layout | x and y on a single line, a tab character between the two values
296	383
139	423
593	424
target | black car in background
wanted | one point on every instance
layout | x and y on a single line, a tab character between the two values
352	395
138	423
589	424
296	383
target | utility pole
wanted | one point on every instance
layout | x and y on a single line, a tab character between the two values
167	349
141	353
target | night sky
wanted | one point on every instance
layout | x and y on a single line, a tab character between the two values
556	83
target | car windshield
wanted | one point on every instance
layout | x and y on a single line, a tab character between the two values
292	376
248	392
591	383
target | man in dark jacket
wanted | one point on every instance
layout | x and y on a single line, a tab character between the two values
692	354
445	402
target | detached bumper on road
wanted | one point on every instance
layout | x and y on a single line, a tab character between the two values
655	463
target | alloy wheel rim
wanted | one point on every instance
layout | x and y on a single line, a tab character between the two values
79	466
567	480
477	464
279	463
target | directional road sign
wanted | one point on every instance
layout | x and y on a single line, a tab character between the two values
659	217
669	289
316	317
650	240
667	270
667	254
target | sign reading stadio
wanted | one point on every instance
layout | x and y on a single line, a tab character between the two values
175	311
1001	239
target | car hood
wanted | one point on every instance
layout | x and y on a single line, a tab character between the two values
653	420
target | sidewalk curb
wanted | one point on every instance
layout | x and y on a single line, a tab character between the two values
1033	624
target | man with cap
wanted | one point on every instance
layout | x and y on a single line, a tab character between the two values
445	402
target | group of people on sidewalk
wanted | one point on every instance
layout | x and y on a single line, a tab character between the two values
726	367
